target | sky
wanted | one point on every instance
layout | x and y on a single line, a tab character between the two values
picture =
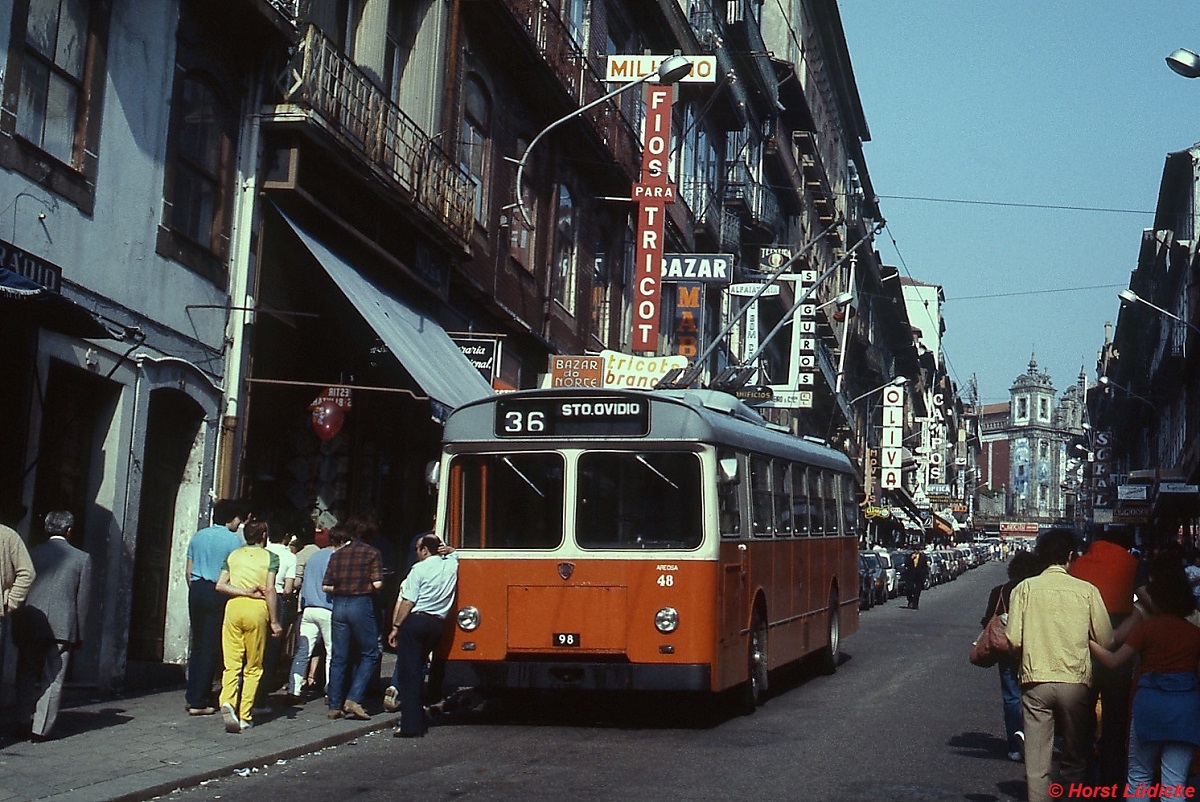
1011	109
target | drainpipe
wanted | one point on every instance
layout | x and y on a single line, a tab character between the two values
241	303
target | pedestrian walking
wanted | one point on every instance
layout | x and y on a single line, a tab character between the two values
316	611
418	620
278	534
247	577
1022	566
50	625
916	574
16	568
352	578
1109	566
1166	704
1051	619
206	553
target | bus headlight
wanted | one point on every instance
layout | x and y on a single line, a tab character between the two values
666	620
468	618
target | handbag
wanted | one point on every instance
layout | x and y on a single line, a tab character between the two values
992	643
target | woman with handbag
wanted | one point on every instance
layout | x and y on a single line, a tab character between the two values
1022	566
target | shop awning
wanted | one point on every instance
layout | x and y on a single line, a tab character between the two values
23	300
435	362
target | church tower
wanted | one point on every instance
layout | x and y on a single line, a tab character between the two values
1036	446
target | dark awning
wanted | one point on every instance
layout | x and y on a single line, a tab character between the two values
26	302
435	362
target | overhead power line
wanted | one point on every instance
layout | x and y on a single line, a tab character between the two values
1017	205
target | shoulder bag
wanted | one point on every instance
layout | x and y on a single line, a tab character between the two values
992	643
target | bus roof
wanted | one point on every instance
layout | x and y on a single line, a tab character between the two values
675	415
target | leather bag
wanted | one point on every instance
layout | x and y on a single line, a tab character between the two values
992	643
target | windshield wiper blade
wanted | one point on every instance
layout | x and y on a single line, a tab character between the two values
518	472
656	471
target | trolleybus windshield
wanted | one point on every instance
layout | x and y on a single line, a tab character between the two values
638	500
508	501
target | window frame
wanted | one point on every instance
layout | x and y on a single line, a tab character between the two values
565	293
75	181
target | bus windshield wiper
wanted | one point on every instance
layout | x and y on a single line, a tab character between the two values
655	471
518	472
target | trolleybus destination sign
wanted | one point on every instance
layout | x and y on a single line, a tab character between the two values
576	416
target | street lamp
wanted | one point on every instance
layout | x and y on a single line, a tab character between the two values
672	70
1185	62
1131	297
896	381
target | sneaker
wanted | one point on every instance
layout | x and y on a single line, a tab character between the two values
201	711
232	722
245	725
1015	757
391	699
1020	736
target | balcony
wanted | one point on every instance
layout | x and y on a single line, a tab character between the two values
326	90
757	201
553	40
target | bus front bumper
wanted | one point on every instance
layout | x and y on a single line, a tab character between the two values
582	675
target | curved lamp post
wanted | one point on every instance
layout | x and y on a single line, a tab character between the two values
896	381
1107	382
671	70
1131	297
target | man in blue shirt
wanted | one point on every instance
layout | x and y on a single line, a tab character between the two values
315	620
426	600
206	607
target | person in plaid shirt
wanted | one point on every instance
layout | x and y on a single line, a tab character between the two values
354	574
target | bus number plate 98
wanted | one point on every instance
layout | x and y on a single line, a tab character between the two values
566	639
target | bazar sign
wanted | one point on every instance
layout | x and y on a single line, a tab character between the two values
710	268
633	68
576	371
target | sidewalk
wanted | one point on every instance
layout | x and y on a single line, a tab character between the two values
144	744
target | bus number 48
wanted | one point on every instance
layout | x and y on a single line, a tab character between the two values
665	580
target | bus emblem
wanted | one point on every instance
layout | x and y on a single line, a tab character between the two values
566	569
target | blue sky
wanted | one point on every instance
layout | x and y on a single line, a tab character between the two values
1044	103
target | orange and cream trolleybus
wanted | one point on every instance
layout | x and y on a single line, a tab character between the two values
642	540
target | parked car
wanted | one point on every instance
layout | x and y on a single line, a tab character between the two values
866	584
891	569
938	570
900	560
879	575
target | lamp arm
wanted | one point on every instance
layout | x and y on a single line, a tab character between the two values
558	122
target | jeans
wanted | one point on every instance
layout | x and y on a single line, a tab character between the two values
206	609
355	637
1144	758
1010	695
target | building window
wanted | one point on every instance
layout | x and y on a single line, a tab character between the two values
475	144
199	175
53	88
575	17
1022	408
1043	409
565	251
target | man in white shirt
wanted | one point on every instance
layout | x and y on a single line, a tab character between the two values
424	604
285	609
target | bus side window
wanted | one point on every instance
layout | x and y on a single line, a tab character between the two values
833	515
800	501
729	508
781	480
851	520
816	501
760	495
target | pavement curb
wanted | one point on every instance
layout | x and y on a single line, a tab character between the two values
97	790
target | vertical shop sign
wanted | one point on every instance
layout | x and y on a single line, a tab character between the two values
652	194
891	454
689	318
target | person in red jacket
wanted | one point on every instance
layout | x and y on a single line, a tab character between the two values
1109	566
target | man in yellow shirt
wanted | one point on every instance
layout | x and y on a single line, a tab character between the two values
248	577
1051	618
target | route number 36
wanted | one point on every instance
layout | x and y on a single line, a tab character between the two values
517	422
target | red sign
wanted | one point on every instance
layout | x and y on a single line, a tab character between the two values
652	194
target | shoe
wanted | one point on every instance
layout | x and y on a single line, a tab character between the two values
391	699
1020	736
293	700
201	711
245	725
354	710
232	722
1015	757
335	713
403	734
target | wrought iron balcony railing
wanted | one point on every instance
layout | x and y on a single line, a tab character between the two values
553	39
324	82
